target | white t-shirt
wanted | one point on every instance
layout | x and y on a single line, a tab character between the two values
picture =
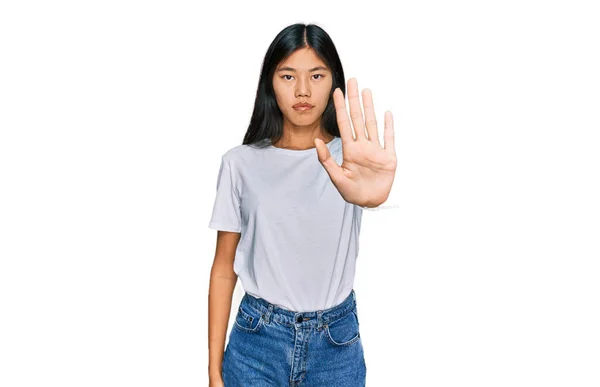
299	237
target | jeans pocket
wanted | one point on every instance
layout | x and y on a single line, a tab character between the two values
344	330
248	319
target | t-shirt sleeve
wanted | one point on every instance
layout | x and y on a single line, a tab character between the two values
226	214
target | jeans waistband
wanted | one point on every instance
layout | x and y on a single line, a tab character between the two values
300	319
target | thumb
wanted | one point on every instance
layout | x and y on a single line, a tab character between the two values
333	170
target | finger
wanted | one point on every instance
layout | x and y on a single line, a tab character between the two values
370	120
342	116
388	133
356	113
333	169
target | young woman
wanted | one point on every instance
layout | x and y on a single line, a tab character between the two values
288	209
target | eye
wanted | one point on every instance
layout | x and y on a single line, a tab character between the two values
287	75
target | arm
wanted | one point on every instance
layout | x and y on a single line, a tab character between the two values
222	284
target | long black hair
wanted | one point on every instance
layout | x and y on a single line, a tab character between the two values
267	120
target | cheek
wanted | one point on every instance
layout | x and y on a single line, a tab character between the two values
324	101
280	95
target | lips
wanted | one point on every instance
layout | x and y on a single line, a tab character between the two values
302	107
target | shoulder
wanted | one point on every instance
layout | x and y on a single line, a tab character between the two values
242	154
233	153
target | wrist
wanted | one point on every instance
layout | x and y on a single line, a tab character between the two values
215	372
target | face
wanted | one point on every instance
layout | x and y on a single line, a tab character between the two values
302	78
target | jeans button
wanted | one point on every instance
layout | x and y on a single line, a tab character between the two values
299	319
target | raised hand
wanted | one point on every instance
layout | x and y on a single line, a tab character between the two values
367	172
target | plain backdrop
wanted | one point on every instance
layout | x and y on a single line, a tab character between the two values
114	116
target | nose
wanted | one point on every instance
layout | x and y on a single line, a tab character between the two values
302	87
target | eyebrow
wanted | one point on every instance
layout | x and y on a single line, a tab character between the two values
311	70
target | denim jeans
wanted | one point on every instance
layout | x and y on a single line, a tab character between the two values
273	346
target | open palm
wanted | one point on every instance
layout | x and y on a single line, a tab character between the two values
367	172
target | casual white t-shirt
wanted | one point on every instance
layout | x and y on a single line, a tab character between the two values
299	237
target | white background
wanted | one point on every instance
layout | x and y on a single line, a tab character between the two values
114	116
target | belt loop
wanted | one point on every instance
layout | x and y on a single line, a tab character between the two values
319	319
353	296
268	314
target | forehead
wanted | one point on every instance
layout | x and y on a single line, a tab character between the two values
303	59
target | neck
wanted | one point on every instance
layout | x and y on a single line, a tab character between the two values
299	141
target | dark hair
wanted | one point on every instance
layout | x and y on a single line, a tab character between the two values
267	120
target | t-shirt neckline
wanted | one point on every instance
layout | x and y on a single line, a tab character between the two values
300	151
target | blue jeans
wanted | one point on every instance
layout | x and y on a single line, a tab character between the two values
272	346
